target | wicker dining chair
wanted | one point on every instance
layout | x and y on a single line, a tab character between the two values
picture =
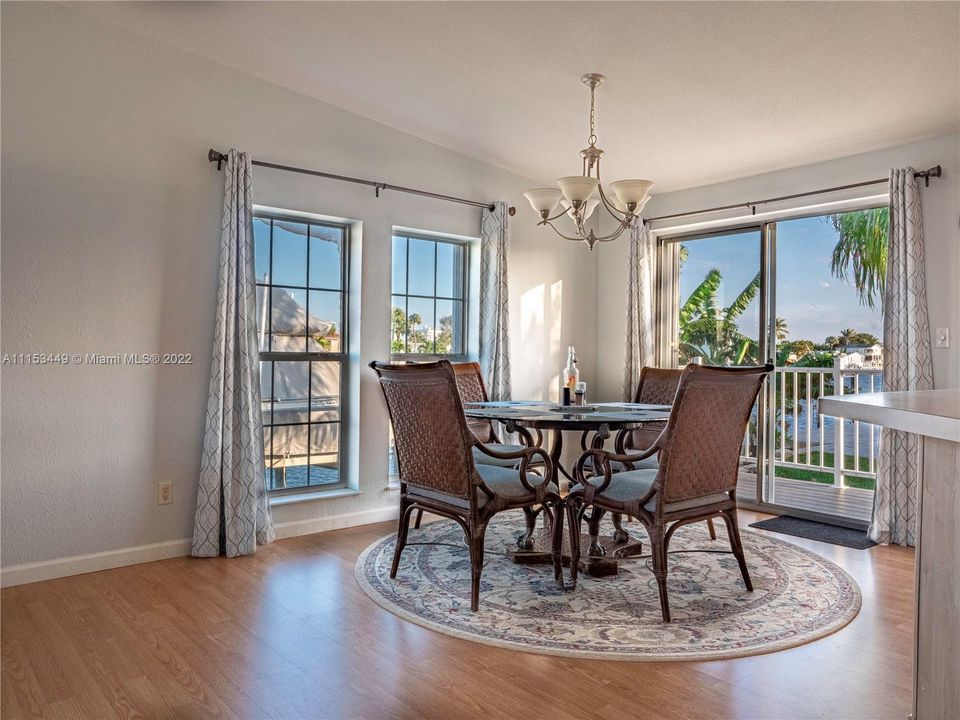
656	386
697	474
435	460
472	389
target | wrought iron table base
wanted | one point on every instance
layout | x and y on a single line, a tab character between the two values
602	564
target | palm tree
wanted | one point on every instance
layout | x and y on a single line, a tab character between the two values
782	329
861	251
847	337
709	330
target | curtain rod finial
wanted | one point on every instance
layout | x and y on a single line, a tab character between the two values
217	157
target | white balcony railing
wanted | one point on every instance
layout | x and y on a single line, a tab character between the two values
824	449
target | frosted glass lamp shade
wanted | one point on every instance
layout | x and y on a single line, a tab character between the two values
543	200
631	191
591	206
637	210
577	188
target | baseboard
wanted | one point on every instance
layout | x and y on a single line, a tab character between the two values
79	564
109	559
294	528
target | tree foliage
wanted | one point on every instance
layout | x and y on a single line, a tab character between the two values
860	254
710	330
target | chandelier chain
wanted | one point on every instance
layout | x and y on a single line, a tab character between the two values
593	114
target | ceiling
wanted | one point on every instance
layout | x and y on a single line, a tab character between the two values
696	92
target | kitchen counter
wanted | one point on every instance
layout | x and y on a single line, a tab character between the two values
934	415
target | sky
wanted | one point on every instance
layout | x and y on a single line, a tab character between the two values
814	303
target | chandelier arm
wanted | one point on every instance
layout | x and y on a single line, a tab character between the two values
616	233
611	208
565	237
558	215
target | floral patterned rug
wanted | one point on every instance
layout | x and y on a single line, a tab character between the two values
798	596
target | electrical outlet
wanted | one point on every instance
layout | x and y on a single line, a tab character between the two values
941	338
164	493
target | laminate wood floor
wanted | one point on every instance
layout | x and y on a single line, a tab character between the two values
287	633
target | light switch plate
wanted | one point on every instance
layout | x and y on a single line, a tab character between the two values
941	338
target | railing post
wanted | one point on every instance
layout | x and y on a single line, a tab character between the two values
837	427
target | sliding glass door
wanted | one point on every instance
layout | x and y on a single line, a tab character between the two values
803	294
826	326
712	289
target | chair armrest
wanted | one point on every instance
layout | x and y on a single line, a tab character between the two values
526	456
511	455
601	460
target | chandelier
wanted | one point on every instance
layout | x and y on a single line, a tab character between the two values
580	195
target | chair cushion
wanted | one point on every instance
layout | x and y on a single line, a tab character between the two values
626	487
505	481
616	466
501	480
480	458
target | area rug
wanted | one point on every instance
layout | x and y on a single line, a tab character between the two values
798	596
812	530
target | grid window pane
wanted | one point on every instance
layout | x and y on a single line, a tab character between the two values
289	320
324	322
449	270
420	325
291	389
449	329
326	265
421	271
324	453
266	390
398	325
261	249
324	391
290	456
263	337
399	265
268	459
289	253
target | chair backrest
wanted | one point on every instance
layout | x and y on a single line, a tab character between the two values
472	389
657	386
700	448
430	431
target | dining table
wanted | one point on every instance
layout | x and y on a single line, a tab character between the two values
548	421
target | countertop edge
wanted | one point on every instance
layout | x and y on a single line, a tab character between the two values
937	426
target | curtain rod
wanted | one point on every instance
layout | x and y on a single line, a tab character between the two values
925	174
219	158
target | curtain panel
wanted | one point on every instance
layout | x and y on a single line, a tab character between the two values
907	363
494	302
233	514
639	350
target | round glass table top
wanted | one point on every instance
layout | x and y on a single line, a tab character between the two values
568	417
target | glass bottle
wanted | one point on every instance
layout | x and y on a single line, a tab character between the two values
570	374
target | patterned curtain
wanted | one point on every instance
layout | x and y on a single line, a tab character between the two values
906	362
494	310
233	515
639	338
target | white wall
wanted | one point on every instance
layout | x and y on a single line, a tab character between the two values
941	214
110	223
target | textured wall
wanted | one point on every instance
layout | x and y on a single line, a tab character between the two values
110	218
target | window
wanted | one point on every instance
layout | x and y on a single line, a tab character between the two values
429	296
300	268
